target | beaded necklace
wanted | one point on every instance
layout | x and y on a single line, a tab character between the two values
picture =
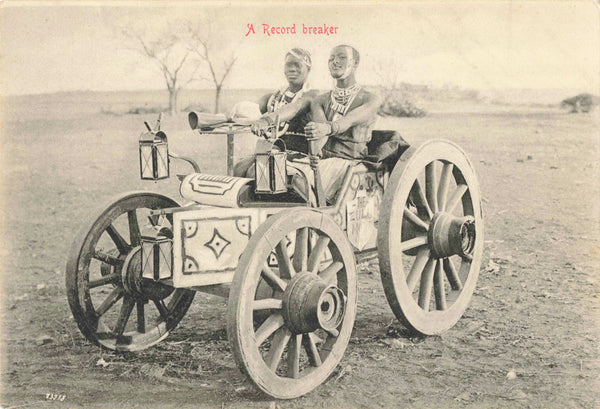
342	98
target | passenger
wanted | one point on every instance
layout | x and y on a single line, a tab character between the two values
343	118
291	103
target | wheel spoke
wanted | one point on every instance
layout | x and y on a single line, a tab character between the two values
438	287
333	332
431	188
271	324
456	197
420	200
301	249
134	228
175	299
413	243
110	278
311	350
283	260
330	273
141	319
267	304
444	183
107	258
417	269
162	309
317	253
293	356
119	241
111	300
273	279
126	309
414	219
426	284
452	275
280	340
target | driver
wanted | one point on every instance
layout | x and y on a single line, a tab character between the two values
342	119
291	103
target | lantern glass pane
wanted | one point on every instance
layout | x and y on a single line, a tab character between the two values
162	161
148	259
146	170
279	172
262	173
165	260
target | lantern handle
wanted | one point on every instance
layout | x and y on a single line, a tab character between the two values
186	159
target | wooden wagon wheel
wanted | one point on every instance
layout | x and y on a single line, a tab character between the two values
430	238
103	277
310	313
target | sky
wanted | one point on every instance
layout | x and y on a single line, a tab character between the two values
66	46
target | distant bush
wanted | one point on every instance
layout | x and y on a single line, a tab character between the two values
400	107
580	103
125	110
146	110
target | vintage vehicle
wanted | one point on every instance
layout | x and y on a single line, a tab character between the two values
284	256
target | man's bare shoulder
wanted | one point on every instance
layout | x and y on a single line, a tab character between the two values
322	98
368	96
311	93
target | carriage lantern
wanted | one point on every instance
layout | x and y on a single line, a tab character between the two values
271	172
154	156
157	257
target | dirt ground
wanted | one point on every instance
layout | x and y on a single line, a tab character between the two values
528	340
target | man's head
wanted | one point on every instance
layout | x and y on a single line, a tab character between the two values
297	66
343	61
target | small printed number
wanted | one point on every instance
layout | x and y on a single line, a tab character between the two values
54	396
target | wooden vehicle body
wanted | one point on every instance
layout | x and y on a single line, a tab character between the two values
286	261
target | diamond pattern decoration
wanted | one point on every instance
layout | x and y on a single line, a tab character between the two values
217	243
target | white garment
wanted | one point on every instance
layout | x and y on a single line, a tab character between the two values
332	171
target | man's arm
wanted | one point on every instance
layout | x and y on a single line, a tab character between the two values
317	108
290	111
320	127
357	116
262	103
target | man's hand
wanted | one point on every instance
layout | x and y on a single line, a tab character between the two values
317	129
260	127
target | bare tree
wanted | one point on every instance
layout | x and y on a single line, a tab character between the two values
202	43
388	71
171	54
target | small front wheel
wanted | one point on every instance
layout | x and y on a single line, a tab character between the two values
292	303
112	304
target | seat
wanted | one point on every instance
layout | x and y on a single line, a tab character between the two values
385	147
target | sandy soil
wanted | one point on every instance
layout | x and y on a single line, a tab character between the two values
534	314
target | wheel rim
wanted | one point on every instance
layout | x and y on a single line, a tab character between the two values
431	237
311	308
113	306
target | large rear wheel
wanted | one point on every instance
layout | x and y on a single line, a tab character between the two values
430	237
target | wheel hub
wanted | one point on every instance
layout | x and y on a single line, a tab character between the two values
134	283
309	303
450	235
